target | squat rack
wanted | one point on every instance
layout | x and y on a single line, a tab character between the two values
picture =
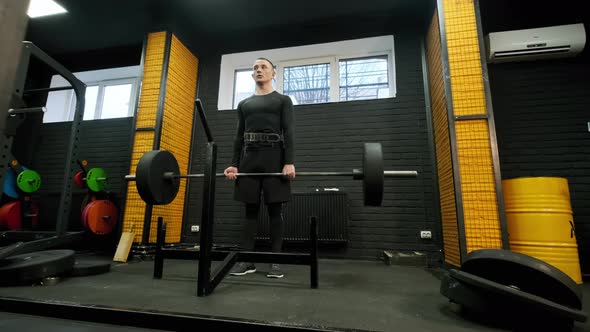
29	241
207	279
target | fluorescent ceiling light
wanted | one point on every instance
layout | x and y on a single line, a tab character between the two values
38	8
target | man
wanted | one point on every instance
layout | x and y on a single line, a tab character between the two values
264	143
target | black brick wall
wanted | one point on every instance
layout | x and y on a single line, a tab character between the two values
542	109
330	137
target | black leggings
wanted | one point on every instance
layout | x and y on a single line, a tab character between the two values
277	226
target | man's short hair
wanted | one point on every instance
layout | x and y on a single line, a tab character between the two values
265	59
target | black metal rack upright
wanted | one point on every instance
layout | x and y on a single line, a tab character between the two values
39	240
208	278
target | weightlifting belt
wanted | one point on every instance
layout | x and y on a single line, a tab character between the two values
261	138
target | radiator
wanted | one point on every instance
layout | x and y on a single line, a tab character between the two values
330	207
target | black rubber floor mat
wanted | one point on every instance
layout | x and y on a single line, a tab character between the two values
89	266
32	267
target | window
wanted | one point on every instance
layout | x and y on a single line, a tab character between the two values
110	93
244	85
107	100
91	99
116	101
365	78
333	72
307	84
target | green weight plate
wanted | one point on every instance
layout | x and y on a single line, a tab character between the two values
96	179
28	181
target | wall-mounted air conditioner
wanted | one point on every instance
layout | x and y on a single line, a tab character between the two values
532	44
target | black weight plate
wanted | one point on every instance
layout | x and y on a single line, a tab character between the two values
373	177
34	266
88	267
153	188
8	250
495	310
517	298
529	274
465	295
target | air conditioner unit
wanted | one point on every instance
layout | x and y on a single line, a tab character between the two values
533	44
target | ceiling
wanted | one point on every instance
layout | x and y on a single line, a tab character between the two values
102	24
503	15
99	24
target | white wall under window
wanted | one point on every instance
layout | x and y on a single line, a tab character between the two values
110	93
323	59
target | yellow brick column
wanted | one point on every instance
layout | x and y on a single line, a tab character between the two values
444	160
164	120
472	208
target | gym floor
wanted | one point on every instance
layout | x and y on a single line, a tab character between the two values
28	323
352	295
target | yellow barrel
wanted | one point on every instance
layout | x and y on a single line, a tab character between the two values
540	222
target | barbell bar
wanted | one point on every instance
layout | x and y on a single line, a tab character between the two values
158	176
356	174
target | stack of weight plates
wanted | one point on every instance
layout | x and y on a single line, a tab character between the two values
516	289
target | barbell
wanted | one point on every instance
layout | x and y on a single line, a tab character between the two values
158	176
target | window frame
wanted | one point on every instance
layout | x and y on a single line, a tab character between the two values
308	54
304	62
102	78
249	69
100	97
233	95
334	63
390	76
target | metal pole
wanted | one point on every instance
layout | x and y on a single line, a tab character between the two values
187	176
58	88
385	173
273	174
207	223
313	236
160	241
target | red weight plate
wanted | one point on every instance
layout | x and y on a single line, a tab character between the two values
79	179
10	216
85	215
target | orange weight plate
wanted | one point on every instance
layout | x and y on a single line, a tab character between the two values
100	217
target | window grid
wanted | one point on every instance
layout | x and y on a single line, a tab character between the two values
340	87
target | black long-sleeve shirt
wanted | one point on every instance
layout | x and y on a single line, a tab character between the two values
270	113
